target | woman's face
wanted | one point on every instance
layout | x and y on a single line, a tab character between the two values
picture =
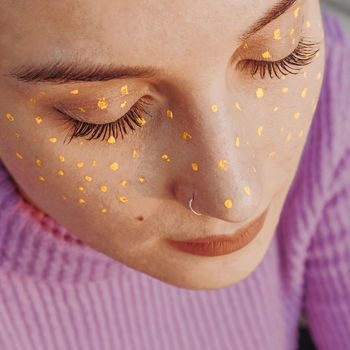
207	125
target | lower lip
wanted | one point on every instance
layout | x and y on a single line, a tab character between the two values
222	247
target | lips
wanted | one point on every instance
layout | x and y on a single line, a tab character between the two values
222	244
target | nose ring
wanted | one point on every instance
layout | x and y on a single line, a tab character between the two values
191	206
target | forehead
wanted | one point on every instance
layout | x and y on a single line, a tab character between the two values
109	28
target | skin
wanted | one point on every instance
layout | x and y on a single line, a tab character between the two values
239	127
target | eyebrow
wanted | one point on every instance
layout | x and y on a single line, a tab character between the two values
62	73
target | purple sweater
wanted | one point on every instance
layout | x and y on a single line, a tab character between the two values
58	293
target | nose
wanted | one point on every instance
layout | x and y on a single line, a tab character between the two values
222	179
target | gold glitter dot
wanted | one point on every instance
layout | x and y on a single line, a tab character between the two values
296	12
186	136
214	108
303	94
300	134
123	199
272	154
308	24
63	197
275	109
74	92
103	210
80	164
169	114
247	190
38	162
88	178
61	158
94	163
134	153
259	93
222	164
60	172
260	129
277	34
124	90
293	42
81	109
238	106
82	189
38	119
165	157
289	137
41	178
42	93
123	183
10	117
53	139
254	170
305	74
228	203
292	32
237	141
103	188
141	179
17	134
194	166
114	166
296	115
34	140
32	100
283	77
245	46
102	104
81	200
123	104
266	54
111	139
141	121
19	156
319	76
285	90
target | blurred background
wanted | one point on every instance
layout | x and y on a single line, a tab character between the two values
342	9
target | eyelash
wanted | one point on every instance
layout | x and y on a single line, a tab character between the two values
81	129
302	56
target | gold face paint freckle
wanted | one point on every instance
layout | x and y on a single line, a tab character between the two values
308	24
186	136
82	189
214	108
259	93
123	104
222	164
254	170
101	103
194	166
19	155
319	76
123	199
285	90
61	158
81	200
103	188
124	90
165	157
42	93
81	109
277	34
134	153
111	139
245	46
289	137
237	141
74	92
301	134
63	197
292	32
296	12
296	115
275	109
94	163
247	190
32	100
88	178
114	166
123	183
141	180
228	203
60	172
80	164
103	210
238	106
41	178
141	121
266	54
34	140
272	154
38	162
38	119
260	129
10	117
169	114
53	139
17	134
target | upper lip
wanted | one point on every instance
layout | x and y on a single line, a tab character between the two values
254	225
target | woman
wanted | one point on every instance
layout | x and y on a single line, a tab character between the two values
130	130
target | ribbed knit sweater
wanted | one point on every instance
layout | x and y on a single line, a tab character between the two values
56	293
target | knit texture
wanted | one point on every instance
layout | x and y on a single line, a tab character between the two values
56	293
